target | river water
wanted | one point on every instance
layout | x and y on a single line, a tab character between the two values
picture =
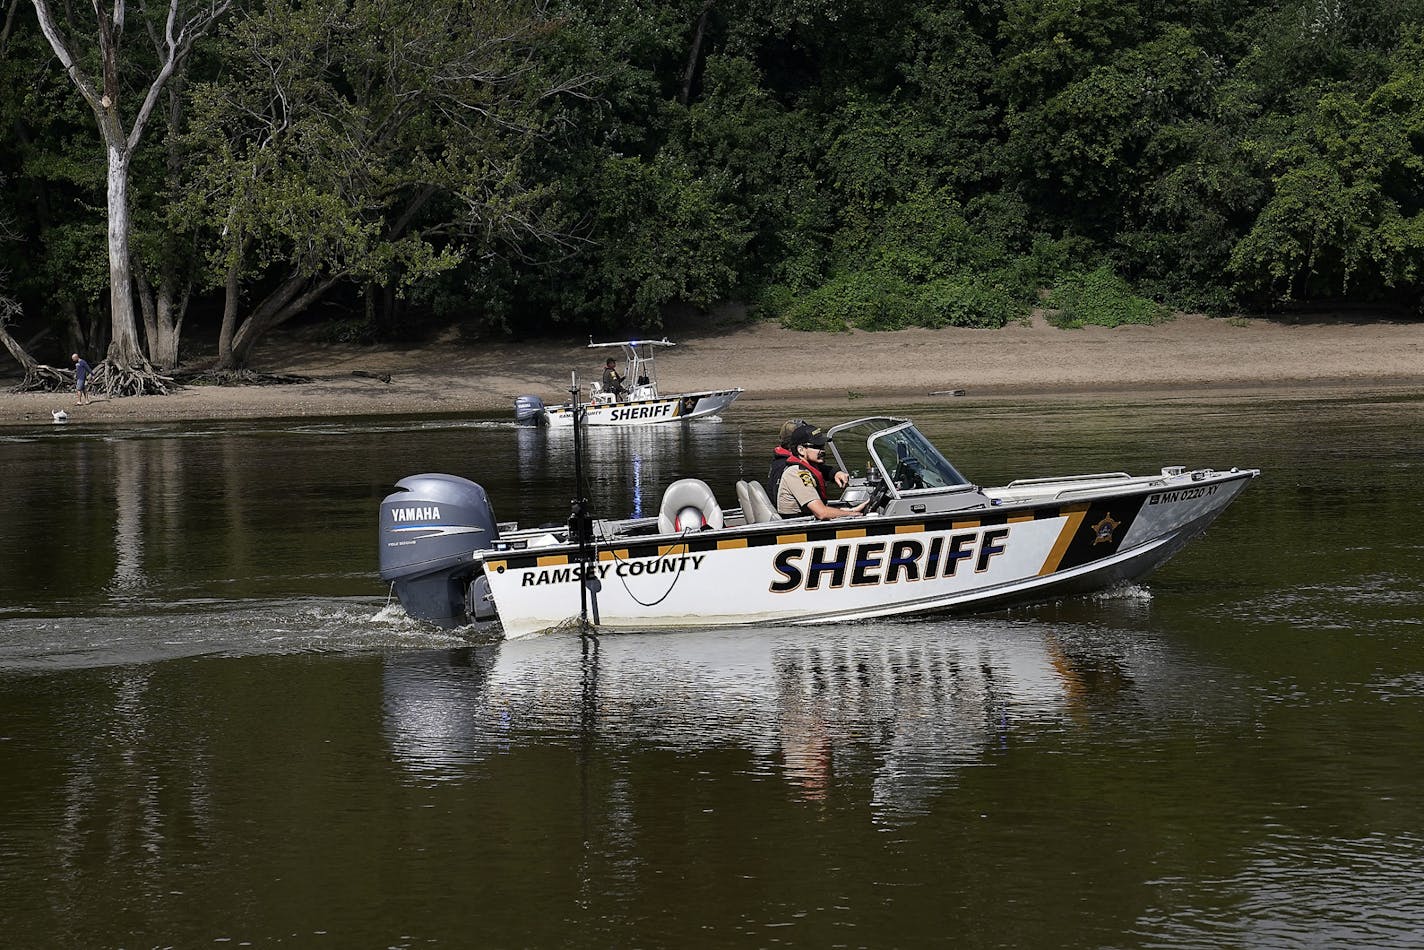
214	729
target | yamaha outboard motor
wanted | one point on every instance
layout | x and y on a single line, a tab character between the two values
528	409
429	528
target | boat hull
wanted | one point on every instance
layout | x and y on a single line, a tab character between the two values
680	407
798	572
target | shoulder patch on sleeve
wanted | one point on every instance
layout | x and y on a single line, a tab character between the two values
807	478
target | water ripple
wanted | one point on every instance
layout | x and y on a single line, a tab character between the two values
1393	600
1296	891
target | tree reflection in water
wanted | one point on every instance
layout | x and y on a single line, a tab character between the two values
130	471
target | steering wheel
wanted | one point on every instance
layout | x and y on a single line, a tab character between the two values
879	492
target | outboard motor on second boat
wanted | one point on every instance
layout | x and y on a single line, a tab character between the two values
528	409
429	526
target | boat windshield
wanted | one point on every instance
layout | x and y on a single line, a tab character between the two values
901	453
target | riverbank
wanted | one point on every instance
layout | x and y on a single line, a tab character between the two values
1189	355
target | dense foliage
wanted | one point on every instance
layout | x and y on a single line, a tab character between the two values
578	166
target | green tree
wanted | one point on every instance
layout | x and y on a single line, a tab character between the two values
55	178
102	74
374	143
1346	208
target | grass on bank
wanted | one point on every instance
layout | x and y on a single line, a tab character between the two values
875	300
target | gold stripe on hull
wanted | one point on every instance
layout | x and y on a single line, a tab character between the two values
1074	516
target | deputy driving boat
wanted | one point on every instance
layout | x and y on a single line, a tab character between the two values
930	542
639	403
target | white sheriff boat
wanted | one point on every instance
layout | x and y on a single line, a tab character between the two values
931	542
641	405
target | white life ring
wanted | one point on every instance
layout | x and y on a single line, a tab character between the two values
688	493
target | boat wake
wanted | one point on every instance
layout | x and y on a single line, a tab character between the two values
1137	593
219	628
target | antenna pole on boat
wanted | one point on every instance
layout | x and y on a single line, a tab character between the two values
580	524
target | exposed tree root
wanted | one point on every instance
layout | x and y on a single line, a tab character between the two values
238	377
145	382
104	379
114	381
40	378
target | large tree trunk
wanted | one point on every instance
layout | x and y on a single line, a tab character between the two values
170	304
163	345
97	336
147	307
73	329
231	291
288	300
162	317
125	353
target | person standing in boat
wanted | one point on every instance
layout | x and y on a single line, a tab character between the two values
612	379
802	488
781	456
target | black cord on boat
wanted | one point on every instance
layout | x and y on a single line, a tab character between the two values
676	575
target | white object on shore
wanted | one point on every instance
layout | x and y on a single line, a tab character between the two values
60	416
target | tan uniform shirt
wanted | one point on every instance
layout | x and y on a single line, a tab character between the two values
797	488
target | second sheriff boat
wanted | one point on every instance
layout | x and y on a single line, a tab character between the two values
642	405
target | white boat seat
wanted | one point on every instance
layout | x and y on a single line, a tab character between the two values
744	498
761	504
685	493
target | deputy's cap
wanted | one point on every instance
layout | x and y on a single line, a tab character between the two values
807	434
609	362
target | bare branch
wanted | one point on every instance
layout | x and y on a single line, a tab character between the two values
175	47
60	45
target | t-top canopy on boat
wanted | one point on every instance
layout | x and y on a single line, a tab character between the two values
641	404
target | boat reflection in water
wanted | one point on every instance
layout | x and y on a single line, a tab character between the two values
624	466
905	707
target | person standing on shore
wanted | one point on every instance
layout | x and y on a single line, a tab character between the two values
81	379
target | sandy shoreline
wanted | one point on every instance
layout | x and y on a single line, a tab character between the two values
1190	355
